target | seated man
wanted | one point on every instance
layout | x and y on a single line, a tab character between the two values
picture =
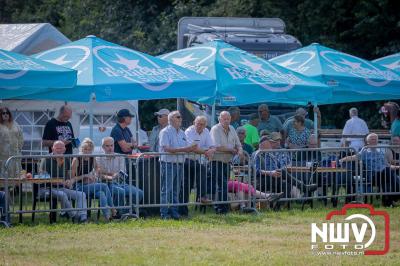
113	171
269	166
376	169
60	168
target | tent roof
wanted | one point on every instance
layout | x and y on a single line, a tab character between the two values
29	39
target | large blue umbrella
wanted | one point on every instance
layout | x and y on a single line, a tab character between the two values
112	72
243	78
391	61
22	75
350	78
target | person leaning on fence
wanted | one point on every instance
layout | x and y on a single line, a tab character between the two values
60	128
392	154
12	140
124	142
227	145
84	179
379	172
112	170
172	140
61	168
162	120
196	164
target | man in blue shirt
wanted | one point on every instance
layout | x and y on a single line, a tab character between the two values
122	135
172	141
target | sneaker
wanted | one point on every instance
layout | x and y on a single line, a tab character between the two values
275	196
205	200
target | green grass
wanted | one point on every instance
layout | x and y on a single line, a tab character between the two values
271	238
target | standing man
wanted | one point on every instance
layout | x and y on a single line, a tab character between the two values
252	137
227	145
234	111
162	119
172	140
355	126
195	165
59	129
122	135
267	121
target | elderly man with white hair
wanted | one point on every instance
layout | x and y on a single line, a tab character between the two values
355	126
172	140
378	171
195	165
227	145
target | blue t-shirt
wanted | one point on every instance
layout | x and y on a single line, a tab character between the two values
395	128
118	133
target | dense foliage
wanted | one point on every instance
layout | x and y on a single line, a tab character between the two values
368	29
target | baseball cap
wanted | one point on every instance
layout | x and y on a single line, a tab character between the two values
301	111
124	113
162	112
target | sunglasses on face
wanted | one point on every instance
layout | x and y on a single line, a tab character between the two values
178	117
5	113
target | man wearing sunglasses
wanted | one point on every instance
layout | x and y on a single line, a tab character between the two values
172	141
162	119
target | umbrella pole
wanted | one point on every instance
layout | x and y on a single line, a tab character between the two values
91	103
213	114
315	123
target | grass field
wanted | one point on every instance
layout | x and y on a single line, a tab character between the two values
270	238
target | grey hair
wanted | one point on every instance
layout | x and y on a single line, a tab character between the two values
171	116
370	136
353	111
240	129
223	113
87	142
103	141
201	118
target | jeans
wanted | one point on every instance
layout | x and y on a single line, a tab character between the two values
3	206
120	194
171	179
220	172
64	195
98	191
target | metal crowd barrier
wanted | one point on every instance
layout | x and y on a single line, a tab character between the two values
306	174
172	182
166	184
45	186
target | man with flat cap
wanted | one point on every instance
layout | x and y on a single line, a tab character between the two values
122	135
162	119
